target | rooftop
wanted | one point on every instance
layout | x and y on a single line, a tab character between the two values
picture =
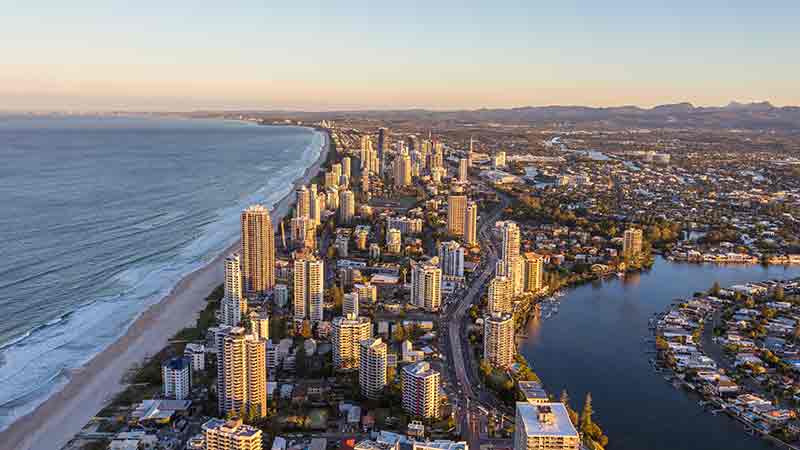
560	425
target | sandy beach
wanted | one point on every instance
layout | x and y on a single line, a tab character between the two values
54	423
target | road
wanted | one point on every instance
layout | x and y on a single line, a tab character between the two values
474	402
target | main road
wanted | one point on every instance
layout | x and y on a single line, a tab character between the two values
473	400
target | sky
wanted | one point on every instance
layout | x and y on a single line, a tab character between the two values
304	55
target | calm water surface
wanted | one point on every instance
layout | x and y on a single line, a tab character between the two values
596	344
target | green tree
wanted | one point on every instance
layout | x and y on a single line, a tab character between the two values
305	331
586	423
715	289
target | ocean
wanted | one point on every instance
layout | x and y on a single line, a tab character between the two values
101	216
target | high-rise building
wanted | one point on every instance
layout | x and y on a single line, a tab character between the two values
421	390
258	251
336	168
222	434
509	233
241	373
451	259
501	294
346	169
426	284
176	376
456	213
233	304
347	207
471	224
281	295
302	206
315	206
309	289
350	304
406	225
303	233
632	243
259	325
463	170
383	144
366	154
534	271
402	170
394	241
498	339
372	367
346	335
544	426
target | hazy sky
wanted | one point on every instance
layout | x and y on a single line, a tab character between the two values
179	55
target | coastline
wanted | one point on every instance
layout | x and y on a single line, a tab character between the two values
59	418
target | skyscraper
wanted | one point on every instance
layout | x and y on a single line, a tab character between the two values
372	367
426	284
501	293
347	207
346	336
534	271
463	170
258	251
233	303
512	263
456	213
309	289
451	259
346	169
176	377
302	207
241	373
402	170
471	224
632	243
350	304
421	390
498	339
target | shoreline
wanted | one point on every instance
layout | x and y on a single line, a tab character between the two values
56	421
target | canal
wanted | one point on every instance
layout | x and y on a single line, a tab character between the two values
596	343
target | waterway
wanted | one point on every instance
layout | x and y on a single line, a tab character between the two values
596	343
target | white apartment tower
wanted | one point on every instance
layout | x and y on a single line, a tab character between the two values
241	373
426	284
498	339
346	336
421	390
632	243
471	224
350	304
372	367
176	376
501	294
234	304
451	258
309	289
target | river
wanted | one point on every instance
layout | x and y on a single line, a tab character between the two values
596	343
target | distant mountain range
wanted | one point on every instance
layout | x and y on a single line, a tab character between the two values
747	116
750	116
